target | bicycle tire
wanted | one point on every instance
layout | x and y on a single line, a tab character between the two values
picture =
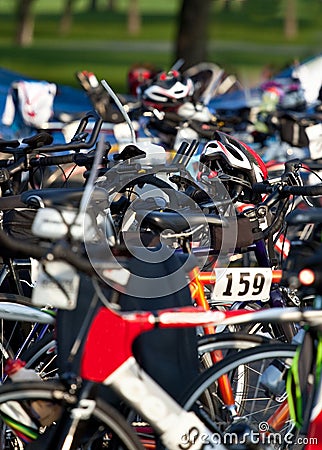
106	422
228	340
11	332
227	343
245	366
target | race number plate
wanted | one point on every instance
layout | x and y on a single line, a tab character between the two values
242	284
56	286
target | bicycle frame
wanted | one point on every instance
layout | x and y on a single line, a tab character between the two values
12	267
115	365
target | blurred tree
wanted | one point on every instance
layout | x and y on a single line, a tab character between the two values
25	23
290	19
133	18
67	17
192	36
92	5
111	5
229	5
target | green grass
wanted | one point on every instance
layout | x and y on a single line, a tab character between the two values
56	58
59	65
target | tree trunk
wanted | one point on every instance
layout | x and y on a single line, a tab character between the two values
67	17
227	5
25	23
92	5
133	18
111	5
192	37
290	22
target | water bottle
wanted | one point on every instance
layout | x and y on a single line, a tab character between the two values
15	369
298	337
26	417
273	378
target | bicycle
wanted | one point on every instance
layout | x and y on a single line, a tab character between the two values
18	175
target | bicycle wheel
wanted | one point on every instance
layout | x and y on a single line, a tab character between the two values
19	326
104	426
42	357
259	396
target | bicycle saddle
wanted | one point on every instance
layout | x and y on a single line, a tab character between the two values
176	221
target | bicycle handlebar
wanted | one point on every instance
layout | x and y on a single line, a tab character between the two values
262	188
13	147
281	193
52	160
18	246
36	141
80	159
306	191
59	250
78	142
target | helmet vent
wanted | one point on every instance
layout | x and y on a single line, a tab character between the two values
234	152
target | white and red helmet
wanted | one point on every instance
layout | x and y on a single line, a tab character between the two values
166	90
236	164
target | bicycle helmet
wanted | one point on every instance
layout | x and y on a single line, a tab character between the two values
139	74
235	164
166	91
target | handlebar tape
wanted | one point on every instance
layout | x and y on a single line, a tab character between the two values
264	188
311	191
45	161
